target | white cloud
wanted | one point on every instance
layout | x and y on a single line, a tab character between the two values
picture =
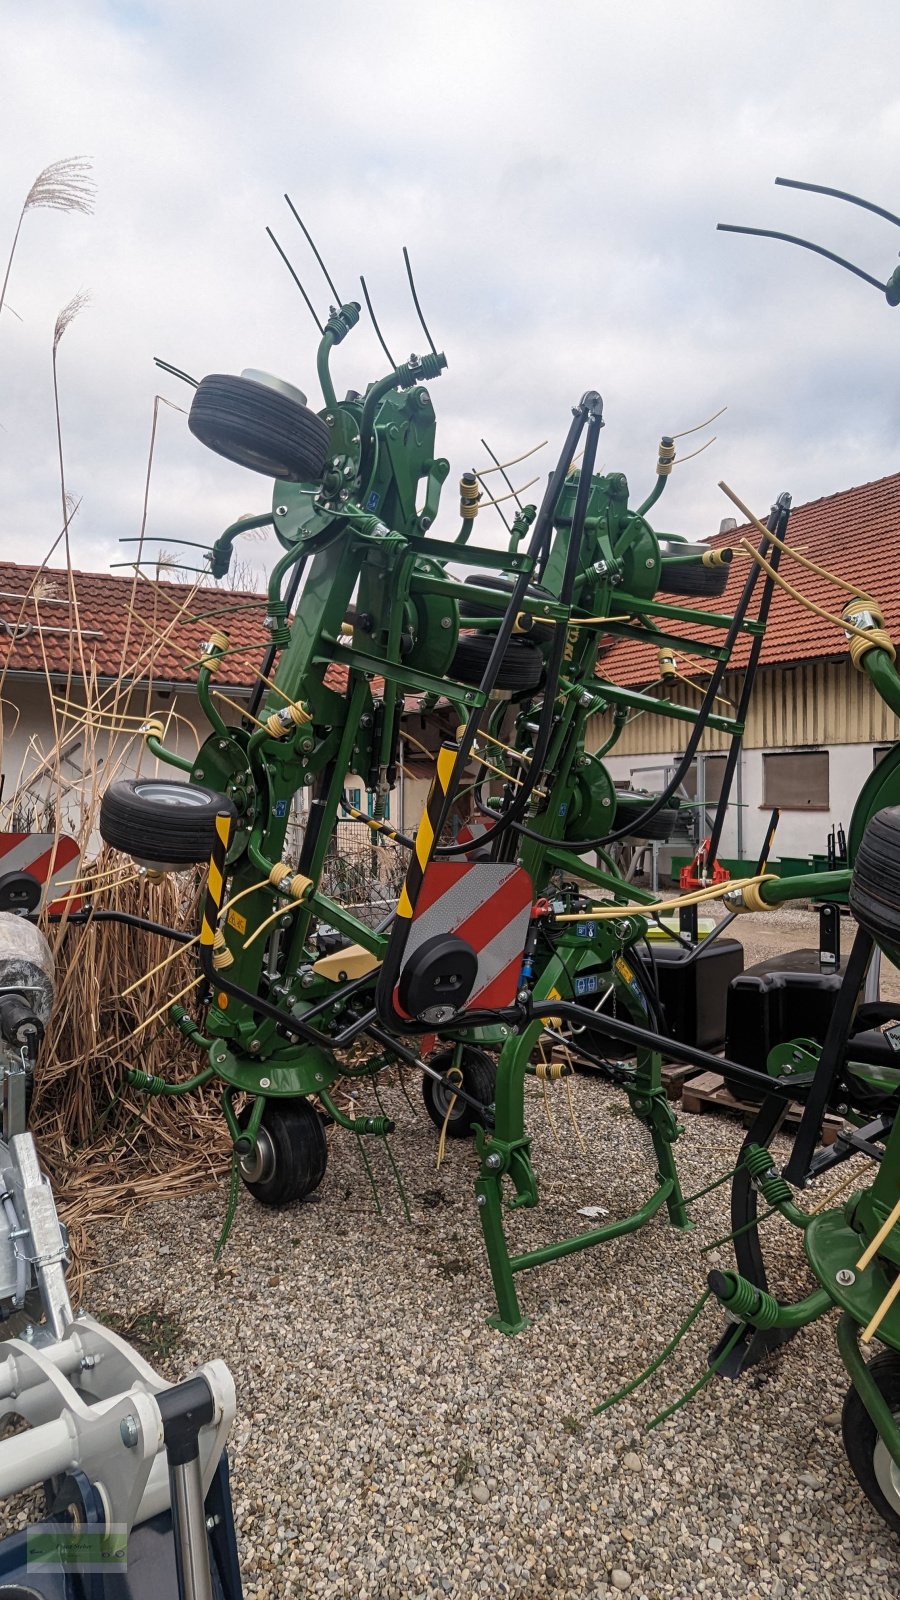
557	173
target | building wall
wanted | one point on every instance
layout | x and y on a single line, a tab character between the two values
68	765
818	705
815	703
800	833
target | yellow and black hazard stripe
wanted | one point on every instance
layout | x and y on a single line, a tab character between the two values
423	849
215	880
428	829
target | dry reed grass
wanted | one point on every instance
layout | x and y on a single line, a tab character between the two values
106	1146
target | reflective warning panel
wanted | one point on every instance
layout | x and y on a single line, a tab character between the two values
462	949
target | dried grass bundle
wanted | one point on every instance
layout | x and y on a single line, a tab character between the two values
106	1146
63	186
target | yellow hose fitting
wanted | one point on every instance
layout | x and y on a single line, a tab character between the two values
667	667
213	650
866	615
717	558
666	456
469	496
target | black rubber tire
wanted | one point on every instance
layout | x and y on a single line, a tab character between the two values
522	666
861	1439
540	633
875	885
630	810
690	580
479	1078
161	820
291	1153
259	428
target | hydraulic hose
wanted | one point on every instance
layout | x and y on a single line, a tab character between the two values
589	412
784	503
579	846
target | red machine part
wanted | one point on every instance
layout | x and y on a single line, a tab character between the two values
697	874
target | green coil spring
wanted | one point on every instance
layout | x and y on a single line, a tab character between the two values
146	1081
744	1300
771	1185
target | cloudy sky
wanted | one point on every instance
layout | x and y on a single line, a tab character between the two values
557	171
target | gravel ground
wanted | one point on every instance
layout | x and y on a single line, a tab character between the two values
390	1446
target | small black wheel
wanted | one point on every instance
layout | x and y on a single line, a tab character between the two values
540	633
479	1077
259	427
291	1153
160	821
875	886
522	666
630	812
874	1469
691	578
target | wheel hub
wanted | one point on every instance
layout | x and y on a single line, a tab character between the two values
887	1471
259	1165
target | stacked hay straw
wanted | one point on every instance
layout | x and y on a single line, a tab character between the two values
105	1145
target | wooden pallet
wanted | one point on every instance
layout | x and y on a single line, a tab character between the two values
708	1092
675	1074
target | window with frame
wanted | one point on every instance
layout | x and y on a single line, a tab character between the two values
796	780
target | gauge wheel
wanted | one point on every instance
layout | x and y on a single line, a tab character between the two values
479	1077
875	886
874	1468
260	427
521	668
631	809
690	578
159	820
538	633
291	1153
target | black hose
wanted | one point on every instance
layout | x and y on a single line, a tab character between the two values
127	917
579	846
762	615
589	412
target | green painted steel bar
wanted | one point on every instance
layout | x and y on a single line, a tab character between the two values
159	750
377	1126
646	633
884	676
807	886
869	1393
210	711
151	1083
603	880
477	556
708	619
664	708
220	558
583	1241
396	672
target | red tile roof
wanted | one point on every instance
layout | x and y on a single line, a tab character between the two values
855	534
126	630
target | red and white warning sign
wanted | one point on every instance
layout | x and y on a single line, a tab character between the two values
485	903
49	857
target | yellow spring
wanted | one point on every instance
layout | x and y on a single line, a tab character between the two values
214	649
287	718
